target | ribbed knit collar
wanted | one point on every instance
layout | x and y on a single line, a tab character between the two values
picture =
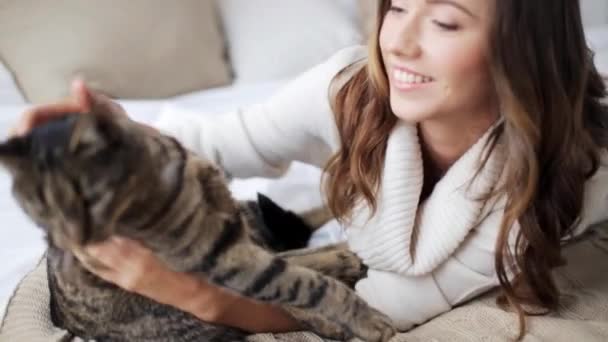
412	239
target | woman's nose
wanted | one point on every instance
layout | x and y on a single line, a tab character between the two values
405	41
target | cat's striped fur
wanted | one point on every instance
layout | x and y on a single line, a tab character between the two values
83	178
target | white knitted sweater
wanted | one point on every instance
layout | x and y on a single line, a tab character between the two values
453	260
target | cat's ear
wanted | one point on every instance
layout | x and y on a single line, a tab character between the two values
15	154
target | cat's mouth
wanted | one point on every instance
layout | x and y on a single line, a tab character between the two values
56	168
15	147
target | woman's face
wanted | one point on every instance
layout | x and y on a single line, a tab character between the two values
435	54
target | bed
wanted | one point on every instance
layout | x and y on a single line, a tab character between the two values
22	244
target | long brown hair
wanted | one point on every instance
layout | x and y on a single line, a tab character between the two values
554	128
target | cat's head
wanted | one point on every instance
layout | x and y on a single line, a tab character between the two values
84	177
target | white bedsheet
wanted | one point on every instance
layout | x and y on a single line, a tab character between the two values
22	244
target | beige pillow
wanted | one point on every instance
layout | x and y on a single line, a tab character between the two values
127	49
368	15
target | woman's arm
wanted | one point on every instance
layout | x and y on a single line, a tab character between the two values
134	268
295	124
233	310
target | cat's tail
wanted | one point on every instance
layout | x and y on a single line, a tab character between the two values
292	230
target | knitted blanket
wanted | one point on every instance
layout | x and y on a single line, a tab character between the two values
583	315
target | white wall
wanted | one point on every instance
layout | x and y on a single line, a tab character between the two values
595	12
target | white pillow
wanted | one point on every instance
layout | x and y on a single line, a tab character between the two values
594	12
9	92
278	39
601	60
597	36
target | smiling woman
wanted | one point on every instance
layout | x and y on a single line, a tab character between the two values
461	150
497	67
415	39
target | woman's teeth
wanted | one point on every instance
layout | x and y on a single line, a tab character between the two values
406	77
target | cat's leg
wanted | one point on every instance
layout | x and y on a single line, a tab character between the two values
280	229
336	261
323	304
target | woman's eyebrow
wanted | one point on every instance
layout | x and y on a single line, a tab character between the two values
454	4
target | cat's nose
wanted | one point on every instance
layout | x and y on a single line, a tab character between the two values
50	141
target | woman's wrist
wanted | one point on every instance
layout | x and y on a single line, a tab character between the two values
199	298
257	317
213	304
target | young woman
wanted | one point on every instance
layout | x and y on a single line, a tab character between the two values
461	149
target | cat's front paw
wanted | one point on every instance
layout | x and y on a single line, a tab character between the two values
375	327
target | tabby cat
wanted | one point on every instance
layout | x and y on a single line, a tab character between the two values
83	178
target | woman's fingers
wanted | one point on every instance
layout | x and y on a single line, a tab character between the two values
114	251
37	115
128	264
41	114
91	100
133	267
82	100
81	95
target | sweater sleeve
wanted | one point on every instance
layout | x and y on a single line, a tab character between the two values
464	275
421	298
296	124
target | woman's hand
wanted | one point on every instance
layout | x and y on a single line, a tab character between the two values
82	100
133	267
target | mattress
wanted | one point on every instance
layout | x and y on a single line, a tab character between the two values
21	243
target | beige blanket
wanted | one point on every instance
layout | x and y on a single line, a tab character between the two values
582	317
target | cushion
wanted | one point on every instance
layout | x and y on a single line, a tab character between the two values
597	37
594	12
582	316
368	15
127	49
278	39
9	92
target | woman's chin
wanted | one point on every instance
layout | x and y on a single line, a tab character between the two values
411	117
412	112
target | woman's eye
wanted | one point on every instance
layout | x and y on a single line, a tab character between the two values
446	27
396	9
